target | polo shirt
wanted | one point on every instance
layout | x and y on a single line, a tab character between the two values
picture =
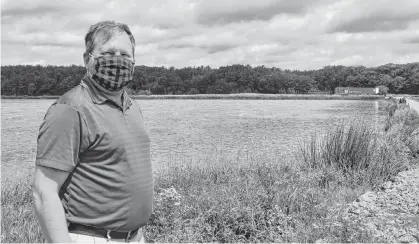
106	149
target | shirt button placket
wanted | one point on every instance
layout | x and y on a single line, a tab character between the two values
125	116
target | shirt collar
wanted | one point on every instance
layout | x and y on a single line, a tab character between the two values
98	97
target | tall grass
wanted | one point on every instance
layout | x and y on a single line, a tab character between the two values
404	124
264	202
359	152
264	198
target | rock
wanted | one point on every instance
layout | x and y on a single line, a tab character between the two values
391	213
356	211
400	233
371	226
368	197
406	239
387	185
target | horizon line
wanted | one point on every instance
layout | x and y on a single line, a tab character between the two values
253	66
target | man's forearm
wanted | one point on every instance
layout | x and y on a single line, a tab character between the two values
51	217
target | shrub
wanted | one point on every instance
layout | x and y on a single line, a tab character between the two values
193	91
361	153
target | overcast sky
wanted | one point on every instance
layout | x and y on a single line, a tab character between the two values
293	34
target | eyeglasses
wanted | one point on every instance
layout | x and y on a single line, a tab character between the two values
112	55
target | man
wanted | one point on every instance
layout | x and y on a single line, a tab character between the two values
93	177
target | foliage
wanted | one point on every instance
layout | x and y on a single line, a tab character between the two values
404	123
56	80
382	90
358	153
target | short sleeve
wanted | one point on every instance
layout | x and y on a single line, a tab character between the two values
62	137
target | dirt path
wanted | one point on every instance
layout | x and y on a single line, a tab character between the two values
391	213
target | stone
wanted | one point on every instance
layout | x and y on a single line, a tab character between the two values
356	211
386	185
367	197
371	226
406	239
390	214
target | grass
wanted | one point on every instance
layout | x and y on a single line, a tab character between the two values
264	199
18	220
240	96
263	202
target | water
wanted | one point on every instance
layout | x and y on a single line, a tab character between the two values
192	130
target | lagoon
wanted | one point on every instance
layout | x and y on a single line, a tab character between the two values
195	130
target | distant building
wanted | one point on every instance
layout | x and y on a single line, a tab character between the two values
357	90
319	92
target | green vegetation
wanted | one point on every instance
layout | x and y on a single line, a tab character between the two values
56	80
265	198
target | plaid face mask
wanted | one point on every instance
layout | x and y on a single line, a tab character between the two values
113	73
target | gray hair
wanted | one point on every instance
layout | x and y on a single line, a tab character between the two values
103	31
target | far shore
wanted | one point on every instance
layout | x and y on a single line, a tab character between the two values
240	96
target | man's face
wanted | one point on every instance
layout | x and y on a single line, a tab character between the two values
119	45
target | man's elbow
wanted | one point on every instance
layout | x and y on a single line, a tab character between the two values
36	196
45	186
42	195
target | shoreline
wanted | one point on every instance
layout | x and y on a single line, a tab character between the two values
240	96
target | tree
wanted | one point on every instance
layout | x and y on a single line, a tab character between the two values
382	90
237	78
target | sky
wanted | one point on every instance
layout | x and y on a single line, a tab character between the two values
288	34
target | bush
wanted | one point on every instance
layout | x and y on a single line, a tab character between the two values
404	124
139	92
382	90
144	92
357	152
193	91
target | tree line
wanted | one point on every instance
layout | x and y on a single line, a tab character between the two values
56	80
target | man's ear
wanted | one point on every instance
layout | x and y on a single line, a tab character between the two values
85	58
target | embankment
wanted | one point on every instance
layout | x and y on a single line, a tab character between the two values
390	213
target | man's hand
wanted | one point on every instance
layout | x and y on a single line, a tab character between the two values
48	206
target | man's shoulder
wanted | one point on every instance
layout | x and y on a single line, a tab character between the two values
76	98
134	103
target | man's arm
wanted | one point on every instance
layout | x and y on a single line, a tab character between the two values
48	206
62	137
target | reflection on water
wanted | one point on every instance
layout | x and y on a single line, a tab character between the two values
194	128
199	129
